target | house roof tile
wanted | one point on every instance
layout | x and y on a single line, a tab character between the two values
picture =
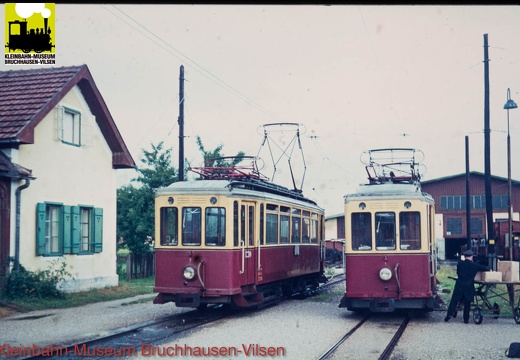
27	96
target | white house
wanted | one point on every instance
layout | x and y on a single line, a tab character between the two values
59	149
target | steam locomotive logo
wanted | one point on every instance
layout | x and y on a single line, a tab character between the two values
29	27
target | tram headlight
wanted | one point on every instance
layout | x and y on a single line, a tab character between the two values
385	274
189	273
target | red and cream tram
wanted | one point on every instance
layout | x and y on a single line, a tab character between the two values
390	251
234	238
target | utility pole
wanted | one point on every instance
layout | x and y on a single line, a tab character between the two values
181	124
468	194
487	157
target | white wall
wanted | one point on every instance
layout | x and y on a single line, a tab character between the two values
331	229
439	238
73	176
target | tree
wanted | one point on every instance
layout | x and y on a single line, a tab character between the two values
209	156
157	170
135	205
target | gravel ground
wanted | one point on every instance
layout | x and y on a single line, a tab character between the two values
295	329
65	326
306	329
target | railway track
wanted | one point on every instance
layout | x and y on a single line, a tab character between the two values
127	342
373	337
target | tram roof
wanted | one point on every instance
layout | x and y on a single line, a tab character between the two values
255	189
389	190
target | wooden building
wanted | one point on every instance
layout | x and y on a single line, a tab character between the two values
449	194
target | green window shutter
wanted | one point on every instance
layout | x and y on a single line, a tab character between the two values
98	230
75	229
40	229
67	230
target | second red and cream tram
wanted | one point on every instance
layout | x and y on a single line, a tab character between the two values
390	250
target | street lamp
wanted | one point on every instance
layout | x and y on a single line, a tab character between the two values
510	104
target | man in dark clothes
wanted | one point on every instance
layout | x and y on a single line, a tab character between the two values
464	290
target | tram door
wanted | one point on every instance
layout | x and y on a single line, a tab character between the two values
247	237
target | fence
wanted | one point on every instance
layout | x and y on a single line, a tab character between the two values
135	266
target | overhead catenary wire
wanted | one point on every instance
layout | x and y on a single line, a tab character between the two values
191	63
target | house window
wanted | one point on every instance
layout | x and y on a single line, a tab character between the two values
476	227
452	202
454	226
64	229
71	127
53	243
85	236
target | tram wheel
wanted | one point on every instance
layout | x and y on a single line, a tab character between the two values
496	310
26	50
477	316
517	315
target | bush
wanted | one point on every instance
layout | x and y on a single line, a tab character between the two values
37	284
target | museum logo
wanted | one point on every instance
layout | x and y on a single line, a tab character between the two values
29	34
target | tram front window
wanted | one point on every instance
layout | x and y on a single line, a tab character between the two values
385	230
361	231
169	226
410	230
216	226
191	226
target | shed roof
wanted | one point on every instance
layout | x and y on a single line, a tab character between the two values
471	173
27	96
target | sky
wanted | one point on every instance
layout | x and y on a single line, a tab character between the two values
354	77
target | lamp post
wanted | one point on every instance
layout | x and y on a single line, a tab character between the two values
510	104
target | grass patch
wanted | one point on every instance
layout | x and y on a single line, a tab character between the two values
328	296
123	290
446	284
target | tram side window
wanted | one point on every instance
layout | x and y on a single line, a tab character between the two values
385	230
216	226
314	229
261	224
271	224
284	224
251	225
410	230
361	231
306	227
169	226
191	226
295	231
235	223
